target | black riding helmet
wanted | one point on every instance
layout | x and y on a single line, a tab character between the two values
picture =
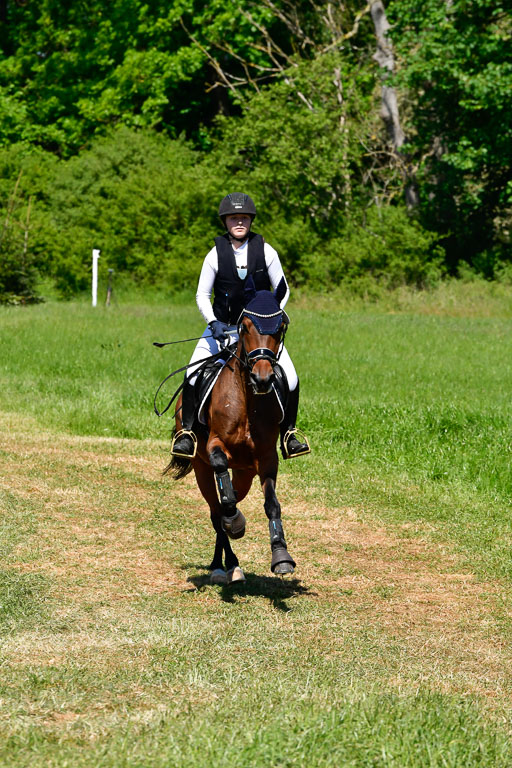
236	202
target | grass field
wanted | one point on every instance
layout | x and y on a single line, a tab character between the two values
391	647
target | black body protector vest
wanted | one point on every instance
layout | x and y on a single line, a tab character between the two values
228	288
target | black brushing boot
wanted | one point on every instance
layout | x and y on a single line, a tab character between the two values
185	441
291	446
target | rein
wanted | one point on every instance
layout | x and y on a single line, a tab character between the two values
251	358
199	363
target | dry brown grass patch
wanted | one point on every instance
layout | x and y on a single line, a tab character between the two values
92	540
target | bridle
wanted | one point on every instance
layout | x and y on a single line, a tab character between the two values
249	359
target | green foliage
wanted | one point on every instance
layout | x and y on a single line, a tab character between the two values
142	200
17	281
70	71
457	69
304	163
113	89
390	246
298	154
18	273
149	204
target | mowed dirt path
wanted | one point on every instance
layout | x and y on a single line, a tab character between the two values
107	529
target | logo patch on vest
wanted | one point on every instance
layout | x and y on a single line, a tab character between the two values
242	272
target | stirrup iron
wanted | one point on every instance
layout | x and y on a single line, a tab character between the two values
299	434
181	433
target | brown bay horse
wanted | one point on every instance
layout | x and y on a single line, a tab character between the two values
242	426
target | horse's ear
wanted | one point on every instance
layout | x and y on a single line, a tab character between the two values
249	290
280	291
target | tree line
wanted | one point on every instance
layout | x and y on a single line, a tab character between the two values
375	138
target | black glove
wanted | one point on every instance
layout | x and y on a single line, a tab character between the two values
218	330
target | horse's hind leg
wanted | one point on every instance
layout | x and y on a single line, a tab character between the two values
222	544
282	562
232	520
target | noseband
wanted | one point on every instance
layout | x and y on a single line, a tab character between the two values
262	353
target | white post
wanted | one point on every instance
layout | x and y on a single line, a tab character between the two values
95	257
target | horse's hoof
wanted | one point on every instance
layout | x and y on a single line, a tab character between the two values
234	526
282	562
235	575
284	569
218	576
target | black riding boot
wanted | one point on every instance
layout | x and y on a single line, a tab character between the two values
290	445
185	441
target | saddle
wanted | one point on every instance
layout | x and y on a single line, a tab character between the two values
210	372
281	389
205	381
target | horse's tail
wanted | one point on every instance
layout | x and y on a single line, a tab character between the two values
179	466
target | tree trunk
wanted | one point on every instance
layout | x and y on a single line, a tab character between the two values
345	171
389	104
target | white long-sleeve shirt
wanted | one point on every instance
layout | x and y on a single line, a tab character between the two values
211	267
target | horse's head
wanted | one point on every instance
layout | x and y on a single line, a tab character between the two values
261	327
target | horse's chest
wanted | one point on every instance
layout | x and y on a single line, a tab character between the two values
243	437
246	441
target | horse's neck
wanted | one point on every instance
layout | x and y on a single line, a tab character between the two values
240	372
245	408
232	388
236	376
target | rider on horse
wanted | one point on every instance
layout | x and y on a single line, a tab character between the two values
236	255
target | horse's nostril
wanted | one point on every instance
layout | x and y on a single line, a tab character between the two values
261	384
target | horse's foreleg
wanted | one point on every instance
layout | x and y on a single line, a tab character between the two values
282	562
242	481
206	483
232	520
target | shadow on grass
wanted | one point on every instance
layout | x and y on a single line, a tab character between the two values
275	588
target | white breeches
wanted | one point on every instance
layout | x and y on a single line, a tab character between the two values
207	346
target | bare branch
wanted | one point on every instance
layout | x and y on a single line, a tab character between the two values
301	96
352	32
213	61
278	66
273	46
291	21
271	70
345	173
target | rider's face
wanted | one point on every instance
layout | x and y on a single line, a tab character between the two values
238	225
